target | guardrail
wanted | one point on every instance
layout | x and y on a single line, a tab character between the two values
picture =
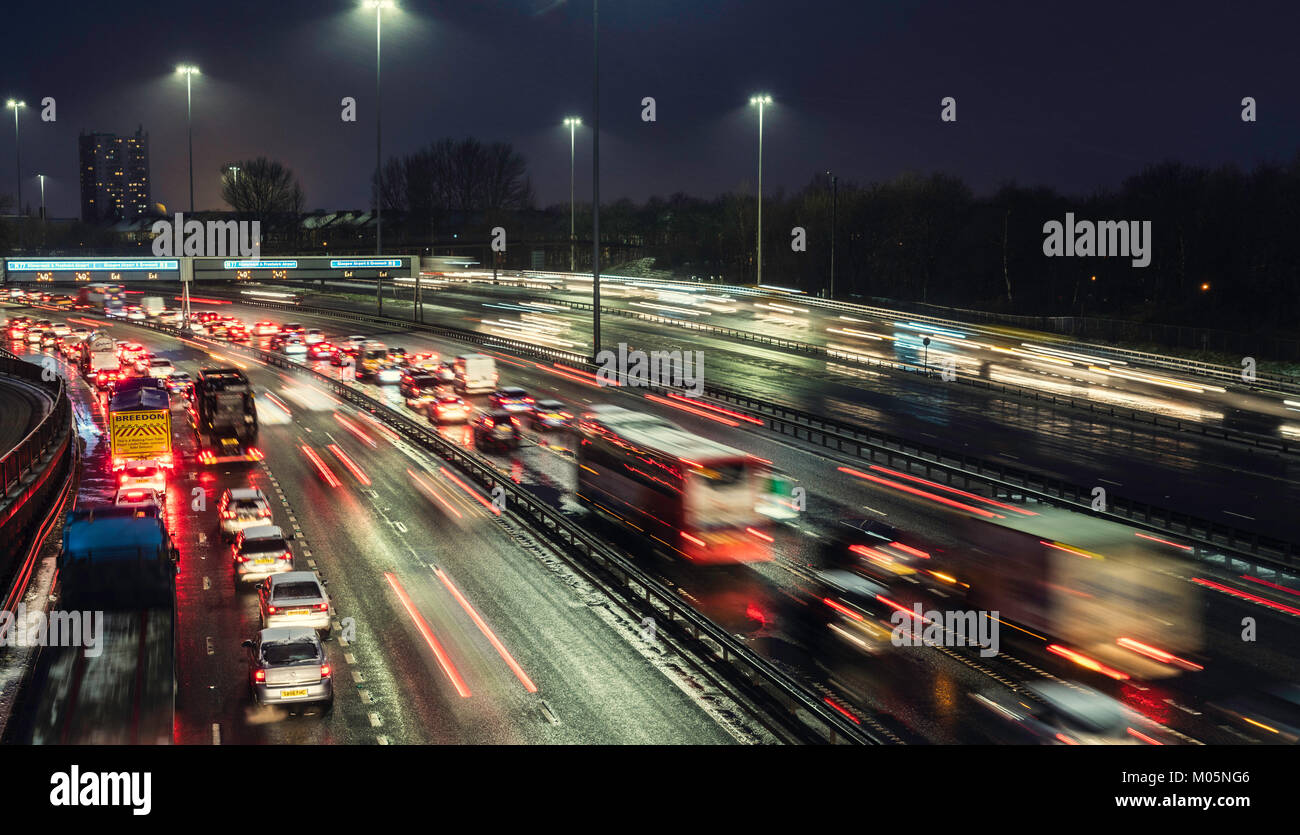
763	681
1207	537
18	461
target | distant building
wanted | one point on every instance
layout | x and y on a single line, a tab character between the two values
114	176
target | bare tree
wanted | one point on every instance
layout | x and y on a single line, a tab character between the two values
261	188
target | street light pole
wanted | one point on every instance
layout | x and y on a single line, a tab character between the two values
595	180
189	72
41	177
834	199
379	6
761	101
573	123
18	159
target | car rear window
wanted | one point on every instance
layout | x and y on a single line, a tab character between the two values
245	506
270	545
288	652
293	591
141	472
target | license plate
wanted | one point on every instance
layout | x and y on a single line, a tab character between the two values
298	612
289	694
264	561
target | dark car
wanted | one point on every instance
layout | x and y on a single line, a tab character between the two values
511	399
497	429
416	386
321	351
549	414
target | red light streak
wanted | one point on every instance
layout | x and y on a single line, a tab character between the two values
1263	601
1148	740
355	430
202	301
948	489
1157	653
718	409
429	638
1270	585
689	538
842	609
842	710
487	632
699	412
760	535
1066	548
279	404
1163	541
473	493
350	464
1085	661
429	489
917	552
321	468
978	511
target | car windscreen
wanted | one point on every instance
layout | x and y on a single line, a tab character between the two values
424	381
289	652
295	591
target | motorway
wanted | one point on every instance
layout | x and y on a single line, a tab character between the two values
1220	481
21	407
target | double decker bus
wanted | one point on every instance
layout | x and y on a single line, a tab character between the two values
697	498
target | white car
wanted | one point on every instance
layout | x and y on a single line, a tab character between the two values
160	368
354	341
312	336
294	347
138	497
388	375
147	473
242	508
260	552
170	317
135	314
62	330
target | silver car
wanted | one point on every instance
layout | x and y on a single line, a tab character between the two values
295	598
287	665
242	508
259	553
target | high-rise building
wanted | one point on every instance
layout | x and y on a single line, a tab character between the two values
114	176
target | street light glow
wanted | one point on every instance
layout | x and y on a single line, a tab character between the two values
15	104
572	121
380	4
761	98
186	69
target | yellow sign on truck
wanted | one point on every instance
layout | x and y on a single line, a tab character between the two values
140	434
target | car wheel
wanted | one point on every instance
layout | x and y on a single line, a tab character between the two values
326	708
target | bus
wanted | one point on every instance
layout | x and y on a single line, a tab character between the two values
102	297
696	497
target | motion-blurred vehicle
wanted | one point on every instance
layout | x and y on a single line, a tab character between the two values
295	598
294	347
135	313
139	497
388	374
373	355
241	508
34	335
1066	713
497	429
237	333
511	399
160	368
549	414
425	361
313	335
397	356
874	548
447	408
181	383
475	374
353	341
170	317
321	351
143	473
287	665
132	351
343	354
49	339
445	373
266	328
664	484
225	416
844	611
62	329
417	387
292	327
259	552
1269	714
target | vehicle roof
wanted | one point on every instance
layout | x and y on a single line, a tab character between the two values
658	434
1083	705
511	390
101	527
294	577
263	532
245	493
287	634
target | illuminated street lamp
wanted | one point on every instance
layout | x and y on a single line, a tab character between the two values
41	177
572	123
189	72
762	100
379	6
18	160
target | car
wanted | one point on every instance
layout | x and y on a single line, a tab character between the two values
286	666
265	329
293	346
292	327
45	324
876	549
425	361
218	328
104	379
135	314
447	408
1054	712
415	386
138	497
260	552
206	316
354	341
295	598
496	429
160	368
341	355
144	473
388	374
240	508
237	333
34	336
62	329
170	317
131	351
446	373
321	351
397	355
511	399
549	414
313	335
49	339
181	383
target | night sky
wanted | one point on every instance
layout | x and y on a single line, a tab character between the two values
1075	96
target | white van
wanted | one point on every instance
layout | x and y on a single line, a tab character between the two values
475	374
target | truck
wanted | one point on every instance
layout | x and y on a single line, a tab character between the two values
1090	588
475	373
374	354
103	297
139	422
99	360
224	415
114	681
152	306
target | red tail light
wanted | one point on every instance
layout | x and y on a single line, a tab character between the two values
227	514
264	513
287	555
322	607
270	610
325	671
259	675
